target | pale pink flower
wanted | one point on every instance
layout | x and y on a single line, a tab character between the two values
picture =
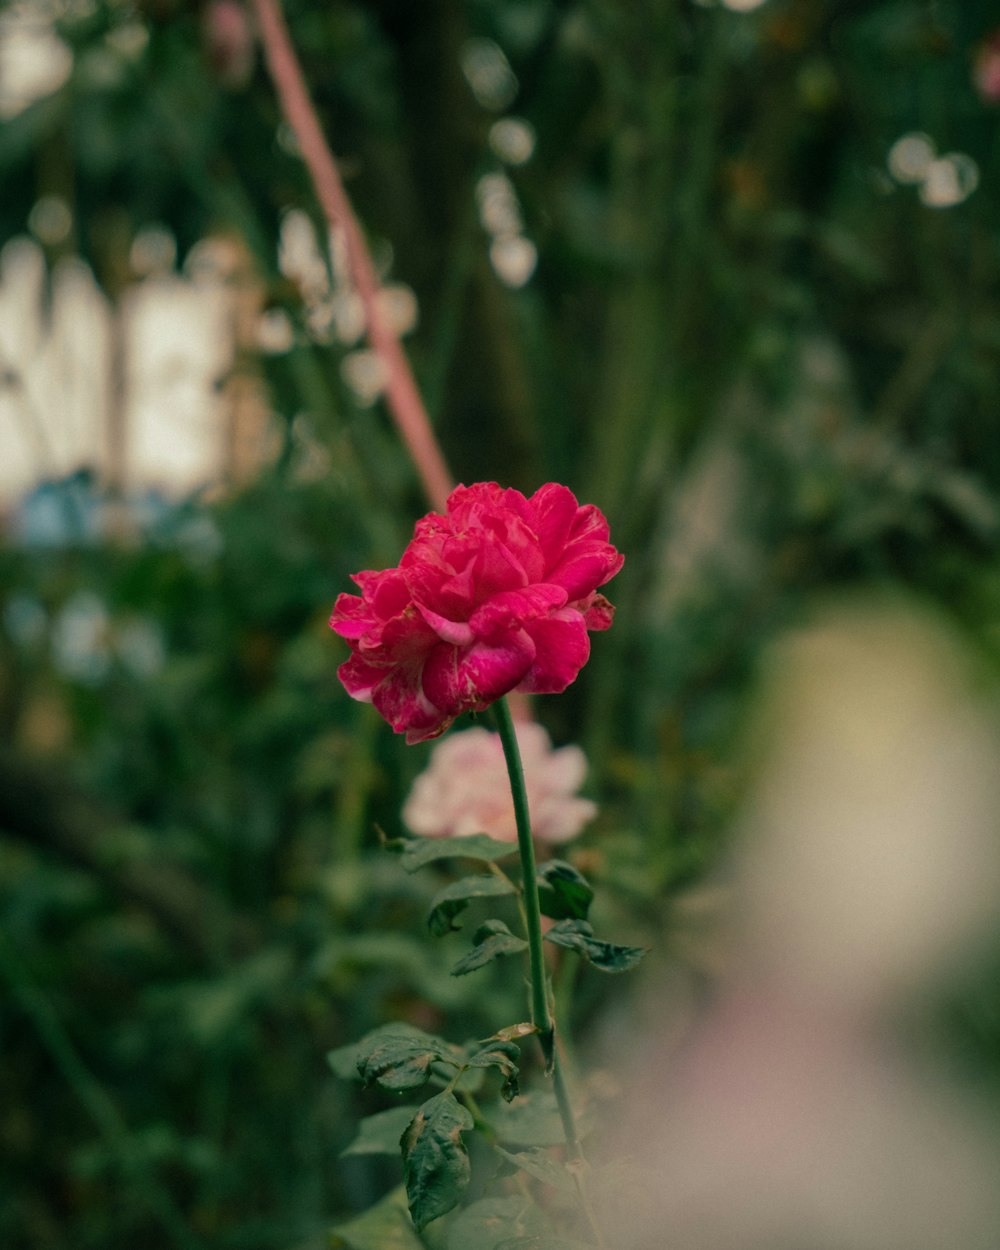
986	68
465	788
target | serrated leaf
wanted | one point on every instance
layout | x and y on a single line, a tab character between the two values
502	1055
541	1165
420	851
435	1160
400	1058
344	1059
385	1226
563	893
454	898
605	956
379	1134
492	940
485	1224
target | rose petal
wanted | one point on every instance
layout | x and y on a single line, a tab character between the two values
497	568
459	633
598	613
555	510
567	768
465	788
458	680
589	525
390	594
493	669
406	639
561	650
360	679
433	582
580	573
513	607
401	701
351	617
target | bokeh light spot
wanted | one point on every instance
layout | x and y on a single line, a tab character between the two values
153	251
910	157
50	220
513	140
949	180
489	74
514	259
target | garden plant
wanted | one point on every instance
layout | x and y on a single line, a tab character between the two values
495	596
689	303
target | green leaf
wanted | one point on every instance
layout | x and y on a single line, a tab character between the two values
454	898
533	1120
344	1061
379	1134
485	1224
399	1057
420	851
577	935
563	894
491	940
385	1226
503	1055
435	1161
541	1165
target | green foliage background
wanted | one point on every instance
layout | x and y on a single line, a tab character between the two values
774	369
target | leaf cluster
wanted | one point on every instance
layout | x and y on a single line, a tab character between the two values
401	1058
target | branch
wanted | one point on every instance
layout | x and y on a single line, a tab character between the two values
403	397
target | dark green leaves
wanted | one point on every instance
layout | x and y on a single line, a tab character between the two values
454	898
420	851
399	1057
502	1055
563	894
435	1161
577	935
491	940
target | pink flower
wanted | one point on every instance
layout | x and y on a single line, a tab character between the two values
495	595
229	41
986	68
465	788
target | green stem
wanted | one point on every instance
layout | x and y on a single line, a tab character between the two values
541	1014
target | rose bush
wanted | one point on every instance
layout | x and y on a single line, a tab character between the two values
496	594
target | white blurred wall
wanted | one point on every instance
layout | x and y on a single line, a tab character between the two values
133	393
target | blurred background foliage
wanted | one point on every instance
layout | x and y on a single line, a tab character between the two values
703	280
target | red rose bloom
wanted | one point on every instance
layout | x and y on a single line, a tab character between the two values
495	595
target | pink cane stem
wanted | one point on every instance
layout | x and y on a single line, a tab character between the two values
403	397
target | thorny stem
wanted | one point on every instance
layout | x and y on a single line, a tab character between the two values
403	397
541	1014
